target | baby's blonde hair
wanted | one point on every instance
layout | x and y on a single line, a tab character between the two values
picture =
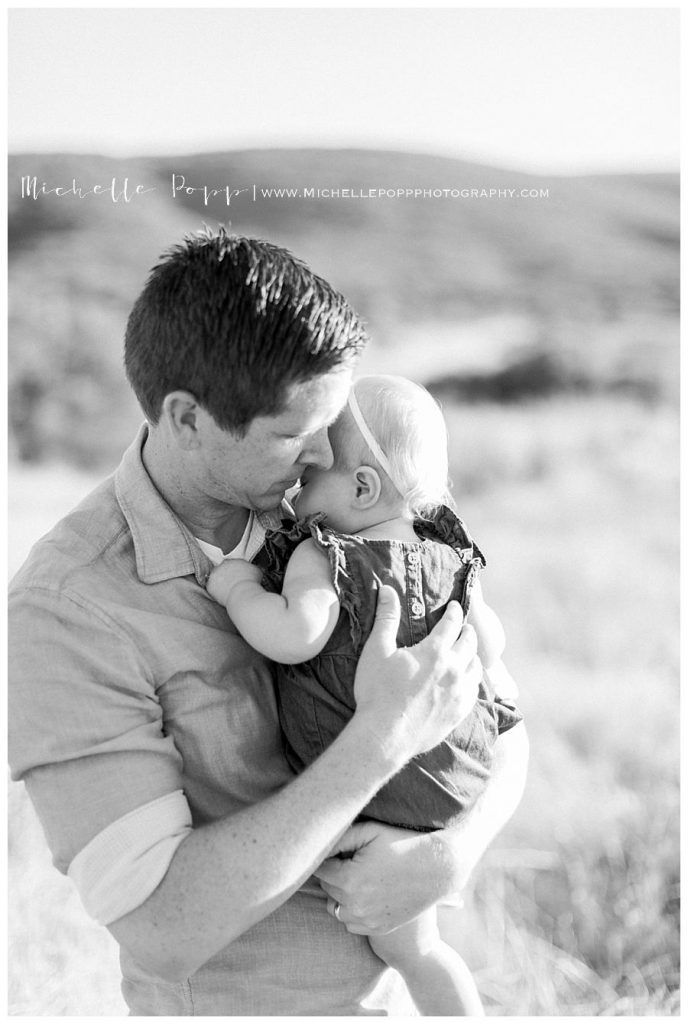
408	425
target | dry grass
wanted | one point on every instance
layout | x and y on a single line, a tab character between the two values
575	909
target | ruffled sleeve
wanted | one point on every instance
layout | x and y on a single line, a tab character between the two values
449	528
278	549
343	580
445	526
280	545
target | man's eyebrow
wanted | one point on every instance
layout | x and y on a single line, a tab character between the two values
286	430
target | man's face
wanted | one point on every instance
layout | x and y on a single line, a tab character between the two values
255	471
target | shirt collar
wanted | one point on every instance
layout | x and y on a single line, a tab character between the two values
164	547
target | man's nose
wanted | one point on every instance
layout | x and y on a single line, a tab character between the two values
318	451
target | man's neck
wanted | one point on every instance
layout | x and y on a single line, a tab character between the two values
206	518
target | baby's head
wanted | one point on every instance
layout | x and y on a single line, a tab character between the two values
390	458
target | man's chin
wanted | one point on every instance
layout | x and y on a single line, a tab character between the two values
267	506
272	502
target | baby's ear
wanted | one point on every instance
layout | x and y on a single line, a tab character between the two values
368	487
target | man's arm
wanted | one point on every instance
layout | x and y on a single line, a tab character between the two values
395	874
226	876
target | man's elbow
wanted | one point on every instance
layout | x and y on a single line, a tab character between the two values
172	966
173	958
173	969
153	958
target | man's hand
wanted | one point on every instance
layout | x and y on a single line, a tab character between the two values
390	876
409	699
395	874
227	576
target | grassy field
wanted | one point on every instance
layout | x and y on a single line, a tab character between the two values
574	911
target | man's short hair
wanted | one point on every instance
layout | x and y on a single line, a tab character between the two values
235	321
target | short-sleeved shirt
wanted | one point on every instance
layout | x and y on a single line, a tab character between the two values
119	655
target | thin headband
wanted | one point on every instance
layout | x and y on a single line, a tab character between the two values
369	438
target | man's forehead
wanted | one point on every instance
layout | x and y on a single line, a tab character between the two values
328	389
320	399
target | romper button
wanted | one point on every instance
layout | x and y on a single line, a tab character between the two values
417	608
414	558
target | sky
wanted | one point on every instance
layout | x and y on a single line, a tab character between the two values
534	89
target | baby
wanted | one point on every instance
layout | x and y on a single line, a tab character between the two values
380	515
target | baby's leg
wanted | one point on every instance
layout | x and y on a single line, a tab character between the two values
437	978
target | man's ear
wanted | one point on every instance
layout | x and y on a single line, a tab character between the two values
180	411
368	487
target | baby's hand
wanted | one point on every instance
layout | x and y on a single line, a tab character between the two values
228	574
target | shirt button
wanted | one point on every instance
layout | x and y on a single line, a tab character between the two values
417	608
413	558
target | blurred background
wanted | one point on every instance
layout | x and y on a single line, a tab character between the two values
537	297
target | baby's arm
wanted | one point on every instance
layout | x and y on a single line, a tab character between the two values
491	643
290	627
485	622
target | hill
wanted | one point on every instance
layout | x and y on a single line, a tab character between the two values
588	271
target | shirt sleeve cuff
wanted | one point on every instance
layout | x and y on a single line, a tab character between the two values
121	866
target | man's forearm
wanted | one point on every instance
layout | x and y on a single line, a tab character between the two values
395	874
459	849
228	875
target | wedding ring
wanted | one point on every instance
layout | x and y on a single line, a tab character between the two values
337	911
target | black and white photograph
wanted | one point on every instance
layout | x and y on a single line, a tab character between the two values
343	523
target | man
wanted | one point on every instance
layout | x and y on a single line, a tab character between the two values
145	728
